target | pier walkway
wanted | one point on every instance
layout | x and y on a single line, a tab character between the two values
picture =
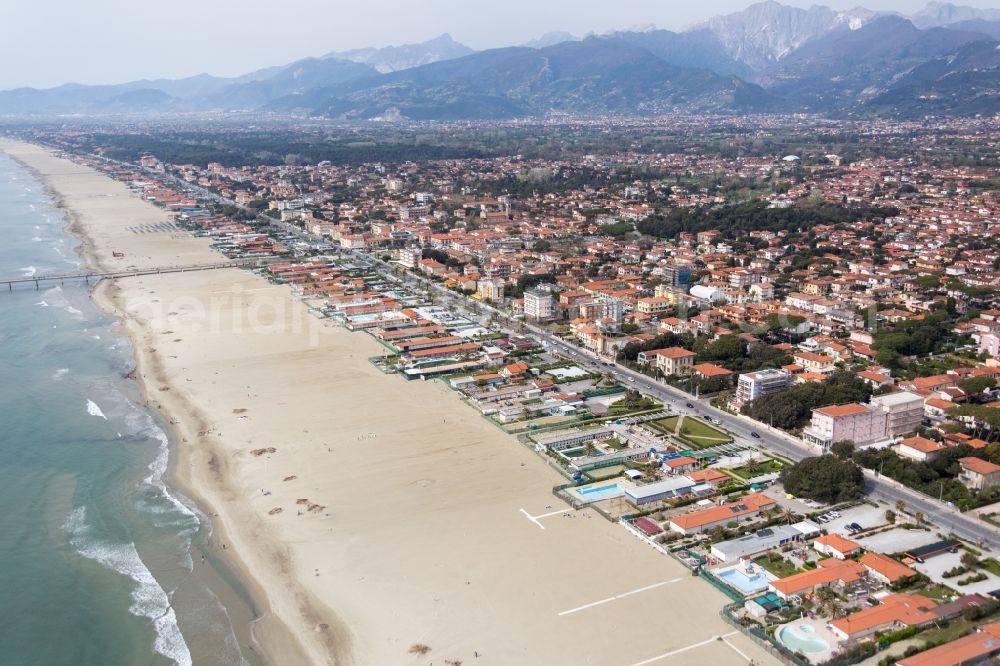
97	276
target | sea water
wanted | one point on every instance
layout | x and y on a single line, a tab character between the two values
99	560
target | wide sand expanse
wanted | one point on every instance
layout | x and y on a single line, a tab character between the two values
388	514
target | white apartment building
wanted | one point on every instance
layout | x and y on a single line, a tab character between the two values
904	412
853	422
539	305
753	385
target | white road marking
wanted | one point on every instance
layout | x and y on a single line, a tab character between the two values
685	649
553	513
620	596
736	649
532	518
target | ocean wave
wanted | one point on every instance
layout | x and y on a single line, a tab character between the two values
149	600
42	304
143	424
29	271
94	410
59	374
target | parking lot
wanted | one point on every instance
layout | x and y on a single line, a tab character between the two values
934	568
866	515
898	540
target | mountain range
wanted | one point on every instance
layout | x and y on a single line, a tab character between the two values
942	60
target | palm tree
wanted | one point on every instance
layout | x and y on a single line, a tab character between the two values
900	506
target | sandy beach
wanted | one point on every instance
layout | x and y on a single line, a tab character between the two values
365	513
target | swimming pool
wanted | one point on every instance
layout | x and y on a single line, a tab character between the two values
596	493
802	638
580	452
744	583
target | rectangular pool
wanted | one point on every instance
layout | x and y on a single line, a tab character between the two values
596	493
744	583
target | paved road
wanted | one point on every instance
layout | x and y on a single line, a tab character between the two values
945	517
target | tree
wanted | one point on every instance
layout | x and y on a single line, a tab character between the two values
976	385
824	478
890	516
969	561
843	449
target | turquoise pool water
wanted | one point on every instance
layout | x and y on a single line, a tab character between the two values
802	638
595	493
744	583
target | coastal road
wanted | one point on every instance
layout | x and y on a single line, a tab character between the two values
887	490
947	518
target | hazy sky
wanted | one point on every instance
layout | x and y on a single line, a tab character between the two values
48	42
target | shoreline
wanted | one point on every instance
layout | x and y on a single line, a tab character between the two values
260	631
342	497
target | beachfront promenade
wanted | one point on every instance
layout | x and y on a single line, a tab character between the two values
96	276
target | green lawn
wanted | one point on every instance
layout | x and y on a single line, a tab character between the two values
776	564
939	593
759	469
701	435
666	426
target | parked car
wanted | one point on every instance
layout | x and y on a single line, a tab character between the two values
706	417
755	434
689	405
716	421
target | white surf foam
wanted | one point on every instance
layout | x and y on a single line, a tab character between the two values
29	271
144	425
149	600
94	410
59	374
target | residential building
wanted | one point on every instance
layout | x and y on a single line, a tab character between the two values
978	474
675	361
972	649
653	305
896	611
753	385
490	290
744	508
672	487
830	572
904	412
539	304
755	543
919	448
837	546
852	422
885	569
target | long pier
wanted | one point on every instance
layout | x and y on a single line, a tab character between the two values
97	276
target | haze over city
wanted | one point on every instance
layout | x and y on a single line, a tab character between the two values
108	41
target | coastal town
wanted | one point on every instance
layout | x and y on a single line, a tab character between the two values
776	368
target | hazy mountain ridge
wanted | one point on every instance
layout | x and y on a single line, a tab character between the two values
766	58
398	58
